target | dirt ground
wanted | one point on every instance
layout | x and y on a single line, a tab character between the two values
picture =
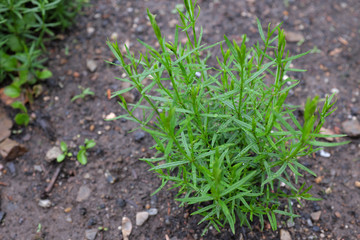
115	183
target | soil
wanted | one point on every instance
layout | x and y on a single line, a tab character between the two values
330	28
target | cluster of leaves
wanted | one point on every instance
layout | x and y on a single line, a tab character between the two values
81	156
225	137
24	26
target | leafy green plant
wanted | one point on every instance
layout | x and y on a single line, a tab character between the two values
224	136
65	152
25	25
81	156
23	117
85	92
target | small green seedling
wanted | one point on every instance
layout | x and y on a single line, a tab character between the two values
64	149
23	117
83	94
81	156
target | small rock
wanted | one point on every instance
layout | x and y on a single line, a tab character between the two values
11	167
139	135
129	97
153	211
167	220
109	178
326	131
53	153
90	234
284	235
319	179
10	149
328	190
351	128
120	202
46	203
141	217
316	229
315	216
90	31
114	36
92	221
82	211
110	116
324	154
198	74
67	210
309	222
68	219
91	65
83	194
2	216
338	214
357	184
38	168
294	36
290	223
126	227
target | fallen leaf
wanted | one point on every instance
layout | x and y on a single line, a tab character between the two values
5	125
10	149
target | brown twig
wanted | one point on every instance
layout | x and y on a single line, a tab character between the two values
4	184
53	179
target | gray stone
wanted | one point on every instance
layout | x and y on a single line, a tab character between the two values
46	203
141	217
53	153
90	234
351	128
153	211
284	235
290	223
309	222
91	65
38	168
139	135
83	194
315	216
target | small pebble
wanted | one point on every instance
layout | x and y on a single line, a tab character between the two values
316	229
68	219
167	220
67	210
290	223
284	235
126	227
11	167
153	211
328	190
90	234
46	203
82	211
37	168
357	184
92	221
2	216
315	216
109	178
139	135
120	202
337	214
147	206
141	218
21	221
309	222
324	153
198	74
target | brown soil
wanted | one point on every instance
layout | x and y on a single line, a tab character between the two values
330	26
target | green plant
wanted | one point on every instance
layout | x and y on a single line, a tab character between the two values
224	136
65	153
83	94
25	25
23	117
81	156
